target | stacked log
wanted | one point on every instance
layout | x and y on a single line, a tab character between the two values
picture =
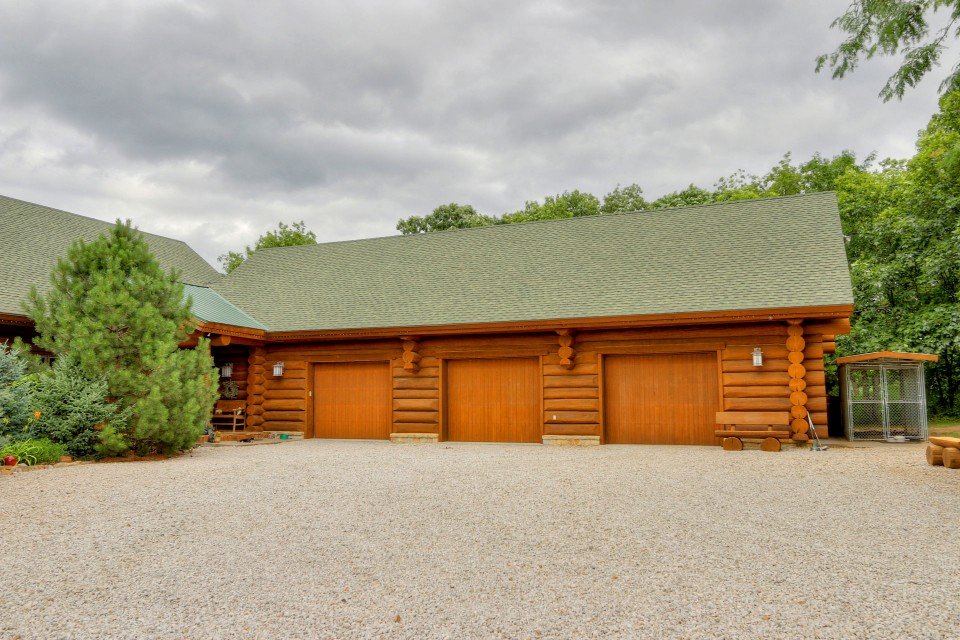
255	388
799	426
943	451
411	356
565	351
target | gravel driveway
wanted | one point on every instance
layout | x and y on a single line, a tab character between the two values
336	539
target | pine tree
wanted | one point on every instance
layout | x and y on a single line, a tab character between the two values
16	392
115	312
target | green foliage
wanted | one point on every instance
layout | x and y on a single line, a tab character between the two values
904	225
34	451
292	235
176	409
112	310
891	27
71	404
444	217
569	204
111	443
692	195
624	200
16	391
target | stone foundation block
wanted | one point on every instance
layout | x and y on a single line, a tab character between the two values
572	441
414	438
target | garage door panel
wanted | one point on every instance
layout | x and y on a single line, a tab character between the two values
352	400
661	398
493	400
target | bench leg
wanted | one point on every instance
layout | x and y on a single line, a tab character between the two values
770	444
732	444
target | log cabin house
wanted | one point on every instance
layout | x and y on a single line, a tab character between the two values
650	327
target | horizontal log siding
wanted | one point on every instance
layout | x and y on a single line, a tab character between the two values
416	396
287	400
572	403
571	397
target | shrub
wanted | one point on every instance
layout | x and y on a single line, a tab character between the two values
16	392
71	404
34	451
111	443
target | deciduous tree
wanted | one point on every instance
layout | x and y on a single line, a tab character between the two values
286	235
896	27
444	217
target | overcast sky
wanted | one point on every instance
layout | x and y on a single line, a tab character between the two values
212	121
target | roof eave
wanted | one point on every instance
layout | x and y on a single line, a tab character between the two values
828	312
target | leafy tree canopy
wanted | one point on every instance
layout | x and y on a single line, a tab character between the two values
569	204
904	225
892	27
444	217
624	200
291	235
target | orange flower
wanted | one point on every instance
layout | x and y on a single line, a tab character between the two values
36	414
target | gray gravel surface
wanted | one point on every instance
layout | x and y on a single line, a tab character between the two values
336	539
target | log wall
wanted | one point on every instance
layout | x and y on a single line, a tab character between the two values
571	367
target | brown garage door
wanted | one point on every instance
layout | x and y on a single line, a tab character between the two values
493	400
351	400
661	398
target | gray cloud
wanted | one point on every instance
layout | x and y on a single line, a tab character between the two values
210	121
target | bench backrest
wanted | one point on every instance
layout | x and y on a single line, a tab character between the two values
753	417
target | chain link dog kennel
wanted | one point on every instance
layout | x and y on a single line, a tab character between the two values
884	397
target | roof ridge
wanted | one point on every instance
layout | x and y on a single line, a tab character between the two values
551	221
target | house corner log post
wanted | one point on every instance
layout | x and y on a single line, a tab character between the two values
411	356
256	388
799	427
566	352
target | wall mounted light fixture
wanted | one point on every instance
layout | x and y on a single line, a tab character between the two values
757	357
226	370
278	370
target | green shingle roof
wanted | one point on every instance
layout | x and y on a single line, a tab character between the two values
757	254
33	237
211	306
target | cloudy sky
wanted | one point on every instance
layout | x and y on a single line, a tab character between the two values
211	121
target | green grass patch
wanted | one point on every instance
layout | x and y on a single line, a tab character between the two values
945	426
34	451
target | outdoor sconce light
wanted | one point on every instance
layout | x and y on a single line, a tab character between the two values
226	370
757	357
278	370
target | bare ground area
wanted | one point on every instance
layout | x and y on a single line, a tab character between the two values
336	539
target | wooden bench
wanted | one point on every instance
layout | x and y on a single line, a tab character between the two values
753	425
228	413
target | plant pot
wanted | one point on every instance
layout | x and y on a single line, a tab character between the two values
66	458
203	438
